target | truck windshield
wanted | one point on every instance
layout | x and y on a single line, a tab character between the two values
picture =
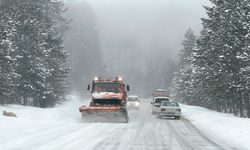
107	87
159	100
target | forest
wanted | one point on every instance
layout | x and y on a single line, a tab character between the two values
213	68
53	48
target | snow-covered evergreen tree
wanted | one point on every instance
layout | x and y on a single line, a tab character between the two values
55	27
183	77
221	58
7	49
39	57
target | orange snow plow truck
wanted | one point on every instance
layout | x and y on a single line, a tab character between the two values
108	101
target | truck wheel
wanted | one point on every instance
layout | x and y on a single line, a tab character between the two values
159	116
177	117
125	114
126	121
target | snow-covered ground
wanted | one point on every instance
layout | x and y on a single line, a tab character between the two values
219	125
62	128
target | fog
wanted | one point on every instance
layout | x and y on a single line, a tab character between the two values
139	37
154	27
159	22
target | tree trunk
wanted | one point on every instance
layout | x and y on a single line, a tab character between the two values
230	105
247	105
234	107
241	107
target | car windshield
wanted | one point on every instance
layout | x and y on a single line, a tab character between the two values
159	100
132	99
160	93
167	103
107	87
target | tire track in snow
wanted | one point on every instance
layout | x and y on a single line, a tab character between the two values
183	141
111	140
72	141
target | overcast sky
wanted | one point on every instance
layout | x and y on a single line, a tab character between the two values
164	21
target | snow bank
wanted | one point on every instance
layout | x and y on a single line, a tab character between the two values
219	125
68	112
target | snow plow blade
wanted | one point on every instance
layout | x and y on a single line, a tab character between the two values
110	114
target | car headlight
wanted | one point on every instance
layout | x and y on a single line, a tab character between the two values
178	110
137	104
163	109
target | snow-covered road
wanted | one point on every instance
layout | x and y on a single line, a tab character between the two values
61	128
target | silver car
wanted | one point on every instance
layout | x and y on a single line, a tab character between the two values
169	109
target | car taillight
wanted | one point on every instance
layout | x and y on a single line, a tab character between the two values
163	109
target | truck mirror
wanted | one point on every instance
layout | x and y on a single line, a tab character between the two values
128	88
88	87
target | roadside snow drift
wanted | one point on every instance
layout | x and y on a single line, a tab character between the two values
219	125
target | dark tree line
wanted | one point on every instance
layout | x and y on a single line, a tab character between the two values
32	57
217	72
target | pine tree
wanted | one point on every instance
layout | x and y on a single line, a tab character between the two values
206	85
183	77
30	63
7	48
56	56
222	56
39	57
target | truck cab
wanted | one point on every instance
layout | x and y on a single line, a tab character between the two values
108	92
108	101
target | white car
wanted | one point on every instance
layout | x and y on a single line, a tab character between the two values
169	109
156	104
133	102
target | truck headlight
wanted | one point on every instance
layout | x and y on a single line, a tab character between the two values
119	78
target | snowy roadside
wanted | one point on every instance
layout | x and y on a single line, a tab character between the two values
219	125
51	123
65	113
